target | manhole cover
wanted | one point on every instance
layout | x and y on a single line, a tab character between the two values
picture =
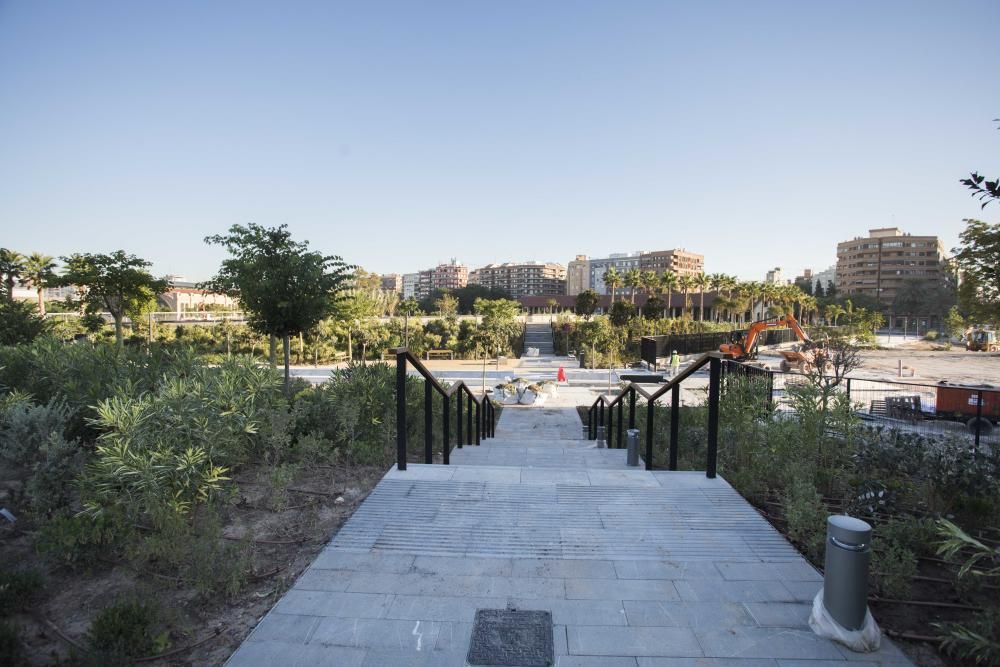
512	638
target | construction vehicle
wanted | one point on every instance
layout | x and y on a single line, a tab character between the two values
802	359
982	340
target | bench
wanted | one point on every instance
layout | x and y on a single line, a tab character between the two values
439	354
643	378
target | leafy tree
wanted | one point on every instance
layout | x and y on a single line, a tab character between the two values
20	323
11	269
284	288
983	190
978	257
599	336
118	283
467	296
498	325
654	307
447	305
39	272
921	298
586	303
621	313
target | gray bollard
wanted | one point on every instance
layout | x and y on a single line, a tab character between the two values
632	442
845	583
601	435
586	432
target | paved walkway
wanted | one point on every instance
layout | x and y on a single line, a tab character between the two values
638	568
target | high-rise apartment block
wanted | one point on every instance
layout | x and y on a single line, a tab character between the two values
578	275
525	279
678	260
879	264
450	276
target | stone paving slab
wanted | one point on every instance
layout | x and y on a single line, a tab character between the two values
653	569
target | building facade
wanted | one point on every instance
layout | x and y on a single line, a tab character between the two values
880	263
678	260
450	276
525	279
411	282
578	275
621	262
775	277
392	282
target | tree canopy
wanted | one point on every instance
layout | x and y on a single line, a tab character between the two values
284	288
586	303
978	257
119	283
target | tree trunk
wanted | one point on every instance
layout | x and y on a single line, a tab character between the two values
302	347
273	353
41	302
285	345
119	338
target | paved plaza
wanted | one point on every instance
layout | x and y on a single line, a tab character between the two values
665	569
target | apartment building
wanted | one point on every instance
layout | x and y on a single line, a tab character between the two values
392	282
524	279
678	260
578	275
877	265
452	275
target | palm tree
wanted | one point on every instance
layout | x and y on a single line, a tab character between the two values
612	279
650	282
38	271
668	280
686	283
701	282
11	269
833	312
744	298
633	279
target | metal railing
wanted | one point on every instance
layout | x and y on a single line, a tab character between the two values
476	428
602	413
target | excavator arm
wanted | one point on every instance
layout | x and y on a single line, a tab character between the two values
745	349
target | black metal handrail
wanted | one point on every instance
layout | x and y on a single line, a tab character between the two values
597	411
483	426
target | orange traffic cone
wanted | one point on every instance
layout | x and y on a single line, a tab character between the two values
561	376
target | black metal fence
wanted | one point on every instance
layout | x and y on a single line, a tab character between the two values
965	412
653	347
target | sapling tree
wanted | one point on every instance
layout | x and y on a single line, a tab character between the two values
284	288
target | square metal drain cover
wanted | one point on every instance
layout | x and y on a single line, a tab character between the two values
512	638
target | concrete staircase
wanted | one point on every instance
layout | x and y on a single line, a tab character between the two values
540	336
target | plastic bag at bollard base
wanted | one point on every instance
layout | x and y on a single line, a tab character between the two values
865	640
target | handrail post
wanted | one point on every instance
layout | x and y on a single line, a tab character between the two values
649	434
979	419
458	418
610	431
446	428
468	417
428	422
590	423
479	424
621	423
631	407
675	424
401	409
713	416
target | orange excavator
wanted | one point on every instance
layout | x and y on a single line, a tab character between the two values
742	350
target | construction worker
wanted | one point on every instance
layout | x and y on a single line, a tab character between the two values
675	363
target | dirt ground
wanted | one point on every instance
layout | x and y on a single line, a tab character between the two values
922	363
286	538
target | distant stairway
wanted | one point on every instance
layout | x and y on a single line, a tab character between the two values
539	336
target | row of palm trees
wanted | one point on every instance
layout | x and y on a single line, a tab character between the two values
733	297
35	270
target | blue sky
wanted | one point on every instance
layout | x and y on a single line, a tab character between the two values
399	135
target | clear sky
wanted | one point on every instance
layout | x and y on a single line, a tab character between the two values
399	135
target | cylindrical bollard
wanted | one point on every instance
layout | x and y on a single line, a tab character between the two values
601	437
586	432
845	583
632	440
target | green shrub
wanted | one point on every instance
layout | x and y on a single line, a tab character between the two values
11	650
931	335
17	588
894	567
124	631
806	516
80	539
